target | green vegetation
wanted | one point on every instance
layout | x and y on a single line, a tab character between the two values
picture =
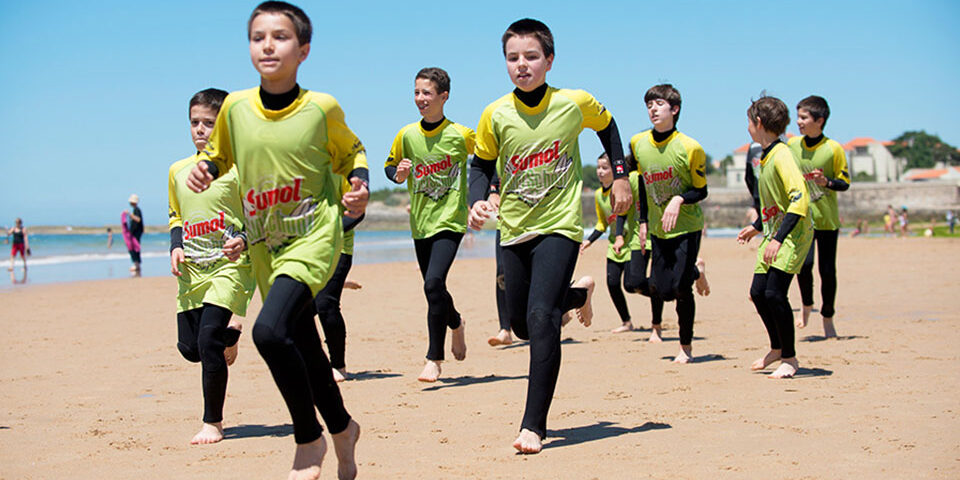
590	180
923	150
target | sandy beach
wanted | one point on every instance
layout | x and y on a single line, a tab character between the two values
92	385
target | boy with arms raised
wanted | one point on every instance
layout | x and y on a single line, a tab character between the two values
787	232
529	138
287	143
673	168
824	166
206	240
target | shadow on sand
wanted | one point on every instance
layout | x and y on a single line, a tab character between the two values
712	357
371	375
598	431
466	380
524	343
820	338
251	431
803	372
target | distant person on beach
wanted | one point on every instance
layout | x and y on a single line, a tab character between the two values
109	237
824	166
787	233
133	221
21	243
431	157
207	255
287	143
951	220
889	219
904	222
860	229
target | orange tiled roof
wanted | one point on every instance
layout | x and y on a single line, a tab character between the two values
931	173
858	142
743	148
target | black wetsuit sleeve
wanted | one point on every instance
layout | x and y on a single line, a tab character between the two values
789	221
694	195
176	238
610	139
349	222
391	171
758	224
837	184
594	236
751	182
212	168
362	173
621	221
482	172
495	184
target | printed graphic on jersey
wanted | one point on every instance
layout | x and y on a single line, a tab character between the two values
816	191
662	185
265	220
531	177
436	176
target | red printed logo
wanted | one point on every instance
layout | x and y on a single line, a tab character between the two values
281	194
518	164
422	170
198	229
650	177
770	212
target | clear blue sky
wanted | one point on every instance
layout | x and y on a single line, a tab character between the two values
96	93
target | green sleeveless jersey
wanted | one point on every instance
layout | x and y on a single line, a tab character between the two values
538	161
438	175
285	164
670	168
607	219
208	220
826	155
782	191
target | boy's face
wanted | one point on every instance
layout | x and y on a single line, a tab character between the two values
807	125
661	114
202	118
526	63
274	49
604	173
429	102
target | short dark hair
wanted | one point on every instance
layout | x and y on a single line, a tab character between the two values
438	76
772	112
817	106
210	97
665	92
301	22
529	26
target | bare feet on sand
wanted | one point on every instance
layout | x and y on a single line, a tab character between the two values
344	444
656	334
804	317
502	337
787	369
528	442
584	313
209	433
626	327
339	374
352	285
766	360
230	353
458	342
828	330
703	286
685	355
307	460
431	371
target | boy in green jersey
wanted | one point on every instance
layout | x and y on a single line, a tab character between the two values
206	241
287	143
824	166
787	233
529	138
673	168
431	156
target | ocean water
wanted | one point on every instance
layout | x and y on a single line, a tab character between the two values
70	258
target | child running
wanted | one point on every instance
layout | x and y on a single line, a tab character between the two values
434	150
787	233
824	166
529	138
673	167
20	244
206	240
287	143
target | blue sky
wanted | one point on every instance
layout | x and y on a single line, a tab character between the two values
96	94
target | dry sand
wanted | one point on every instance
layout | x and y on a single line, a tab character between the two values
92	385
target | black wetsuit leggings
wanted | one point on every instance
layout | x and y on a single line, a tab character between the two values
537	276
202	335
328	309
635	280
769	294
286	337
825	242
435	256
673	270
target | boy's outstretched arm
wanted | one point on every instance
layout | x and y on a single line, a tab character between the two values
621	196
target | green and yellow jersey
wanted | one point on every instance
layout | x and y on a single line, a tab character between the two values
285	164
208	220
828	156
670	168
438	175
538	161
782	191
607	219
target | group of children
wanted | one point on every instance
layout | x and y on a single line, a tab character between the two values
279	180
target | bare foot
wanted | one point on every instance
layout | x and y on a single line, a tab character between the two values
828	330
585	313
209	433
703	287
339	374
685	355
230	353
352	285
458	342
769	358
307	460
565	318
804	317
431	372
502	337
626	327
655	334
528	442
344	444
787	369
